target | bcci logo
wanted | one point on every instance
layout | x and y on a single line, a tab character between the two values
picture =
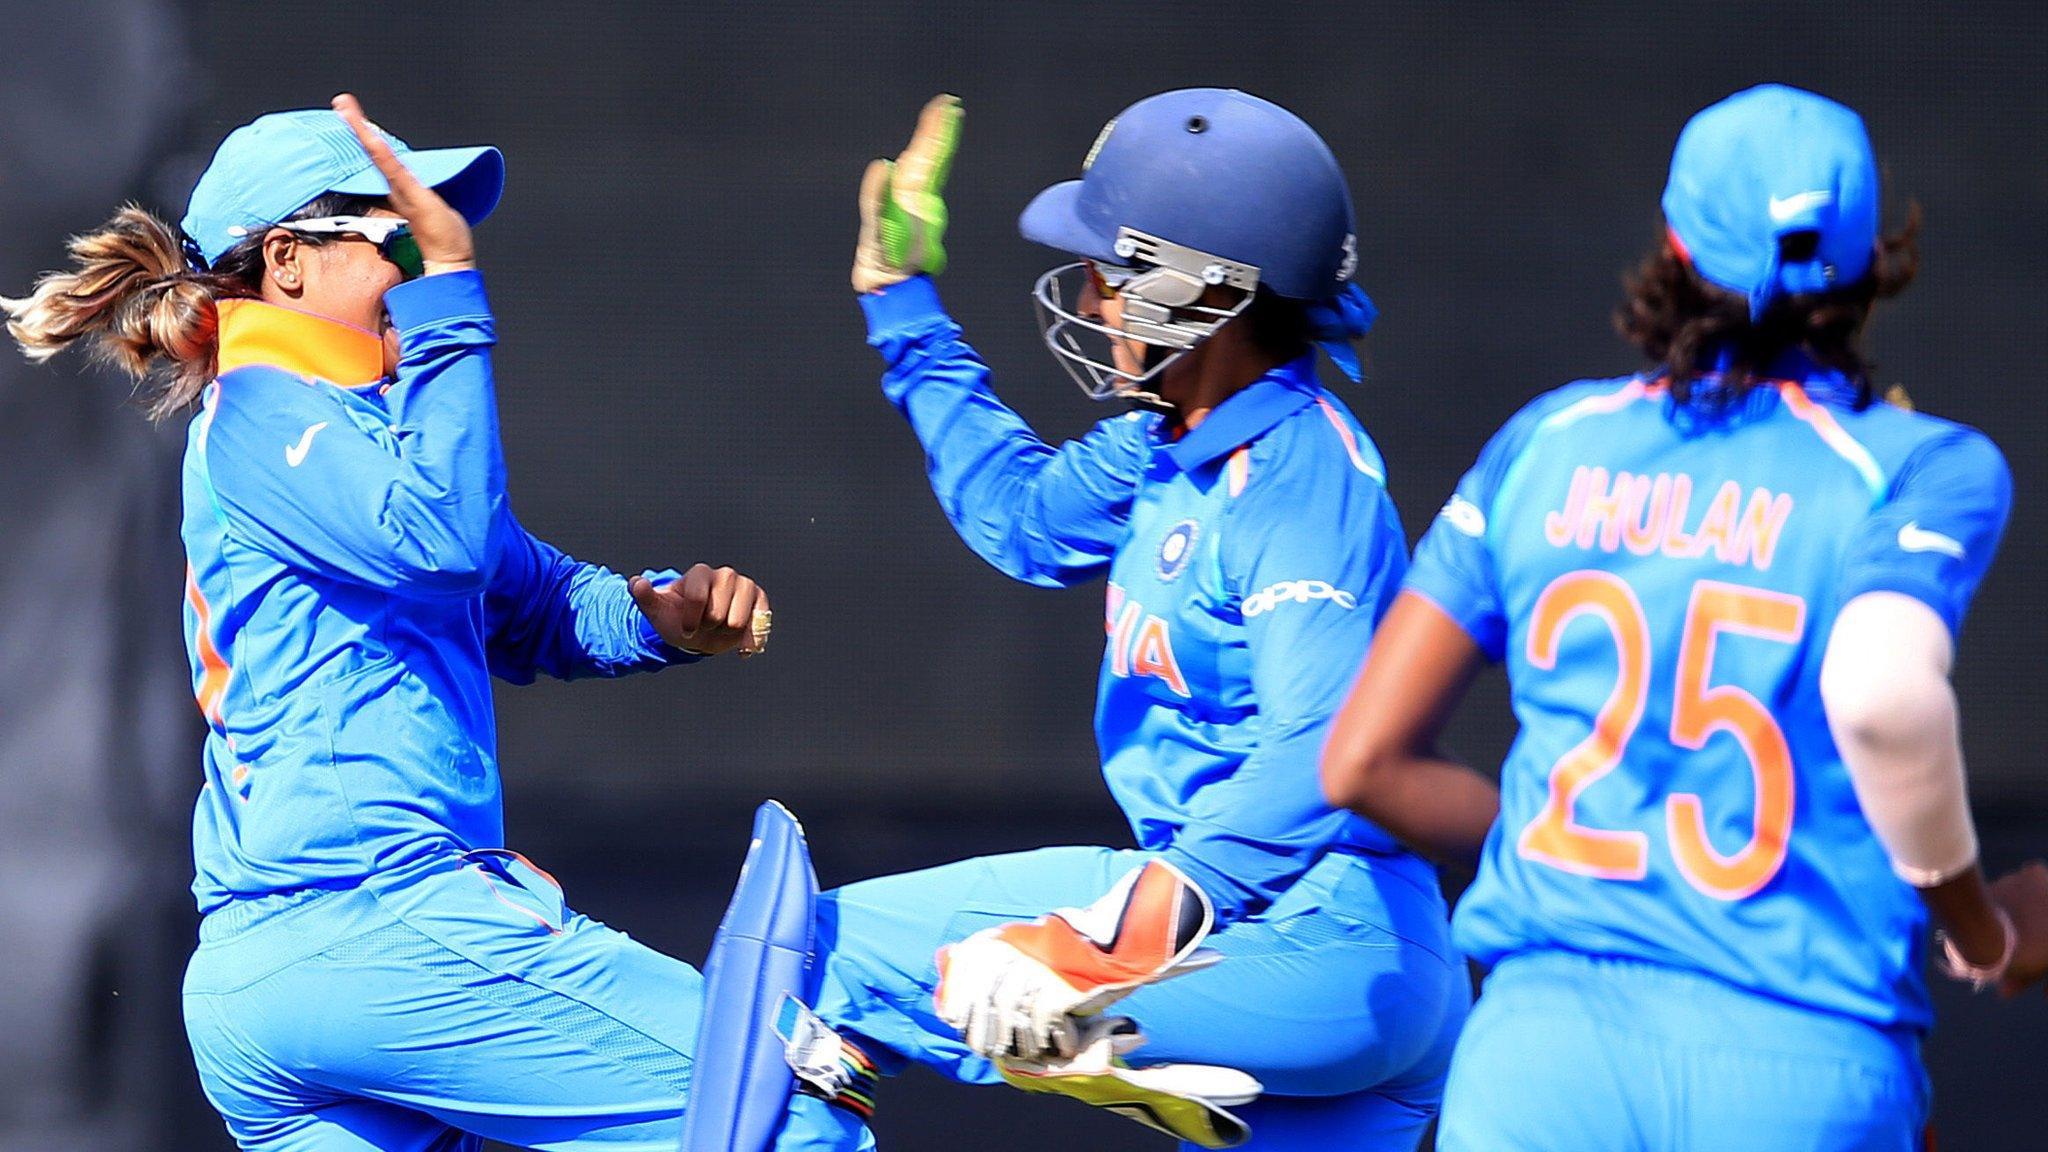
1177	549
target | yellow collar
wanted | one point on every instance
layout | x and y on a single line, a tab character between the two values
255	332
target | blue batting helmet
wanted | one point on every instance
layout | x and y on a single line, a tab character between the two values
1216	170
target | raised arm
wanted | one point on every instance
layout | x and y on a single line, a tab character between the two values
411	507
1044	515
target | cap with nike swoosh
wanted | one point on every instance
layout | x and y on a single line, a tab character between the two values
277	164
1774	192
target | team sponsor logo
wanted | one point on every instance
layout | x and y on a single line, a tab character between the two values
1914	538
1296	592
1463	515
1177	549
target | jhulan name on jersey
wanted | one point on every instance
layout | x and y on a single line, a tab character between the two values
1649	515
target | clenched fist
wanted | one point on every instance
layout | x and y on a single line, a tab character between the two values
2023	895
708	611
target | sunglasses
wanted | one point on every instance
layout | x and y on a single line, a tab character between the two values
1109	279
393	239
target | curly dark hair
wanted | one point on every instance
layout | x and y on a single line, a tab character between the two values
1682	323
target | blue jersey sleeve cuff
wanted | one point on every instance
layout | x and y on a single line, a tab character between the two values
1944	599
1486	629
652	646
417	304
906	309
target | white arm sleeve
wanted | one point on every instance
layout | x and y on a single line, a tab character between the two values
1884	682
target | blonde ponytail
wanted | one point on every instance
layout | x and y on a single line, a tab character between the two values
130	294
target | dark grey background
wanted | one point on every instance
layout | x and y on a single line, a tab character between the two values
682	377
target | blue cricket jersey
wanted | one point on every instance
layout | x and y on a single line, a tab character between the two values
1662	581
355	575
1248	562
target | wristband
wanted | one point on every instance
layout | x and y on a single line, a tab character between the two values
1955	967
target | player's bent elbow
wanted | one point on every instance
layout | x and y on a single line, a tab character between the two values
442	566
1363	755
1339	792
1349	775
459	580
1026	568
434	580
442	549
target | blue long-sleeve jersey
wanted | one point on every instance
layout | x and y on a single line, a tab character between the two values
355	575
1248	562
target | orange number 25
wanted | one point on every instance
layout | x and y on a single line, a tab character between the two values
1699	710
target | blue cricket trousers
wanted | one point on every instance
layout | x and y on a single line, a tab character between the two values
1567	1052
1343	998
457	1002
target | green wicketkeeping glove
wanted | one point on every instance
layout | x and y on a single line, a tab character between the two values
902	208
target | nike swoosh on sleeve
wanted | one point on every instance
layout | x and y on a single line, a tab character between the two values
295	454
1914	538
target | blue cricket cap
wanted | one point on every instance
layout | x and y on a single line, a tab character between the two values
277	164
1764	164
